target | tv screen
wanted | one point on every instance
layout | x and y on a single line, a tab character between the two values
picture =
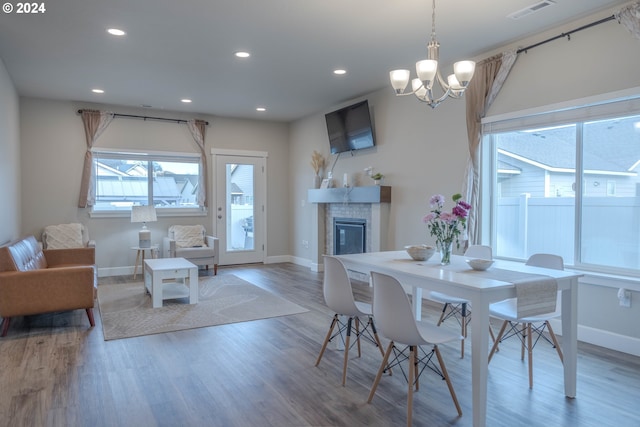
350	128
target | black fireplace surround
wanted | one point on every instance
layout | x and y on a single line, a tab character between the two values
349	236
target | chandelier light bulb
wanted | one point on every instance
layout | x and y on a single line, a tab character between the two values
426	70
464	71
399	80
419	89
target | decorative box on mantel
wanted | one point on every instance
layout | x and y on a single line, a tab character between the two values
368	194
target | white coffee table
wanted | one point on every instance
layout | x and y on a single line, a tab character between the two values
157	280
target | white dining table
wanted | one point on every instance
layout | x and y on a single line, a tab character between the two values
481	288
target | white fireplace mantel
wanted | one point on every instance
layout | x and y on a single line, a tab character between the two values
375	199
368	194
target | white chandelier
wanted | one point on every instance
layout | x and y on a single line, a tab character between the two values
428	72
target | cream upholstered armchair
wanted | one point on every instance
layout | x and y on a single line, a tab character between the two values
66	236
192	243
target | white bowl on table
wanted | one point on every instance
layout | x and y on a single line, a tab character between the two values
420	252
479	263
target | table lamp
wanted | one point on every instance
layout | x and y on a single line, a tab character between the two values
143	214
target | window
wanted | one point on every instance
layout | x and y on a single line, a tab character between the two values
567	183
167	181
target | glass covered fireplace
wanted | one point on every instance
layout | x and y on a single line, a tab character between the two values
349	236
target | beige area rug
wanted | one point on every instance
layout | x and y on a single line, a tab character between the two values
126	309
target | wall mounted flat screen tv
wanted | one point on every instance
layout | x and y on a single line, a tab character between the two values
350	128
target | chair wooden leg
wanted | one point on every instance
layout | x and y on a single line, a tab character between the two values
5	325
464	329
416	369
555	341
498	338
326	340
524	337
375	335
412	368
448	380
377	338
444	310
385	361
346	351
215	269
358	336
530	351
90	316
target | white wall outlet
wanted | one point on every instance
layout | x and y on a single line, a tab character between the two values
305	244
624	297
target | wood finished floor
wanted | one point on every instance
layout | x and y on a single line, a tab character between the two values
56	371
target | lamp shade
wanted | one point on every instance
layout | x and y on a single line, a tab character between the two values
143	214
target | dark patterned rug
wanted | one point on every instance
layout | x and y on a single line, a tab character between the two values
126	309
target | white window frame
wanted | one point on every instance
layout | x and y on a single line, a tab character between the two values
619	104
149	156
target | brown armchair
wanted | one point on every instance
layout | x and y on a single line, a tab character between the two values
33	281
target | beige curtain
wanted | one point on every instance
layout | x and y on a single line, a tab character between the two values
95	122
629	16
197	128
487	81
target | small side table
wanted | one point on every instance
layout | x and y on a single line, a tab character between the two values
170	278
153	250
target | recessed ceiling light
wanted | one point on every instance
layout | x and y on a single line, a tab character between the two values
261	109
97	90
339	72
242	54
186	100
116	32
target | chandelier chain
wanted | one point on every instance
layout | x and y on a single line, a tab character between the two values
433	22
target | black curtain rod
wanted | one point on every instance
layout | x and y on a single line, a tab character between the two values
134	116
567	35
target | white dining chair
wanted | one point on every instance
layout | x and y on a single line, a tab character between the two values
459	308
524	326
394	316
338	296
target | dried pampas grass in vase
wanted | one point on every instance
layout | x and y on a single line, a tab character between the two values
317	163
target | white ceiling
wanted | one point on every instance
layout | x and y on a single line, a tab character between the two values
184	48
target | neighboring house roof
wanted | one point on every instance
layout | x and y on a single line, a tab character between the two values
608	149
106	170
235	189
136	187
507	168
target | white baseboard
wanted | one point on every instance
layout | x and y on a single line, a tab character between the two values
277	259
602	338
315	267
117	271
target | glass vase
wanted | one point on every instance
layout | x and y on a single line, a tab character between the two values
445	252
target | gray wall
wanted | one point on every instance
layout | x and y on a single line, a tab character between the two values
52	153
9	159
424	151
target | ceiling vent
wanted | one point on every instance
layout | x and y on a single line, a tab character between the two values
531	9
